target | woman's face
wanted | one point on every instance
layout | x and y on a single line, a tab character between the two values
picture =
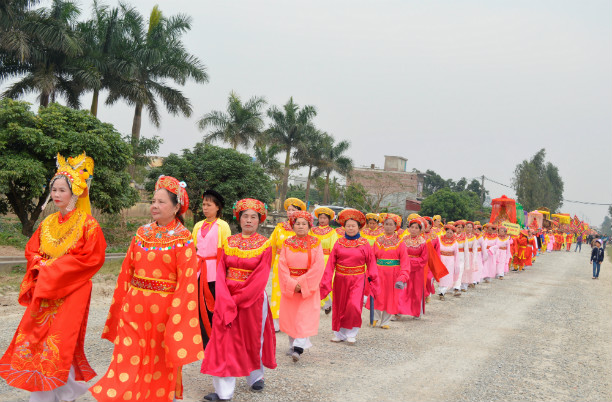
389	227
301	227
351	227
323	220
163	211
209	208
459	228
372	224
414	229
502	232
449	233
292	208
249	222
469	228
61	193
477	231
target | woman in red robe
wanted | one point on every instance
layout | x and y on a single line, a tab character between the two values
153	317
46	356
349	258
242	340
412	298
391	260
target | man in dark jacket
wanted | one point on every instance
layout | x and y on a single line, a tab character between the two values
597	256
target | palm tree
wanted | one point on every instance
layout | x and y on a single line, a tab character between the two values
39	45
156	54
333	160
104	36
239	126
308	154
266	157
288	129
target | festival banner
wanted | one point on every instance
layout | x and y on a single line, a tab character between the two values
514	229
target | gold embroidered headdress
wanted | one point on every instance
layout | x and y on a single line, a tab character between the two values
79	172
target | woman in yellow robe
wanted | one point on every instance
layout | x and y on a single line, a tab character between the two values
328	237
282	232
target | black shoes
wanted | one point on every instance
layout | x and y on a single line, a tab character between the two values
258	386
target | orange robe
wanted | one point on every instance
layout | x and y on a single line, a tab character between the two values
301	262
153	317
63	255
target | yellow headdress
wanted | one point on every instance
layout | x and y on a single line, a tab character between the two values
324	210
372	215
78	171
295	202
413	216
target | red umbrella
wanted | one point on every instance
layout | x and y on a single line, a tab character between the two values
503	209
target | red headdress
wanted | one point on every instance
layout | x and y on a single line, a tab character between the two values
175	187
416	220
396	218
450	227
461	222
347	214
301	214
250	203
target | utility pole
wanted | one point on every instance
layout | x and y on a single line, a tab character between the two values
482	193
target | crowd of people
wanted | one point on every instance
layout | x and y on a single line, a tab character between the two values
184	296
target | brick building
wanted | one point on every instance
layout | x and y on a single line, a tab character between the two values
391	187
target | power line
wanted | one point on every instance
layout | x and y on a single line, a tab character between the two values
564	200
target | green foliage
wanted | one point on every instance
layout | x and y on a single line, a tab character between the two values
241	125
154	55
29	144
10	233
335	190
538	184
290	125
333	159
300	192
234	175
356	196
39	46
606	226
450	205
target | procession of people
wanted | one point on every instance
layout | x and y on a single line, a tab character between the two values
184	296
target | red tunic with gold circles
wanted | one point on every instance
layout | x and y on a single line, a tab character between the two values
63	254
153	318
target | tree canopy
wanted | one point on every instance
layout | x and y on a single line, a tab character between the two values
538	184
450	205
233	174
29	144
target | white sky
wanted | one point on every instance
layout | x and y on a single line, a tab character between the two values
464	88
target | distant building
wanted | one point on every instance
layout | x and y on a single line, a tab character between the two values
391	187
299	181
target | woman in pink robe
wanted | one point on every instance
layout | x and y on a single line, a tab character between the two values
449	252
479	256
348	260
300	268
391	260
490	264
412	298
242	340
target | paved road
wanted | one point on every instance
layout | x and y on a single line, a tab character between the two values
542	334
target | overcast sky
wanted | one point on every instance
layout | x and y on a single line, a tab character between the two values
464	88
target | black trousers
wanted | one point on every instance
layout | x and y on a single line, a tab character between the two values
211	286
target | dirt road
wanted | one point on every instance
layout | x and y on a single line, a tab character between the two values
542	334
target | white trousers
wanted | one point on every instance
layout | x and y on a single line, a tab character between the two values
442	289
382	317
457	283
303	343
346	333
225	386
72	390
